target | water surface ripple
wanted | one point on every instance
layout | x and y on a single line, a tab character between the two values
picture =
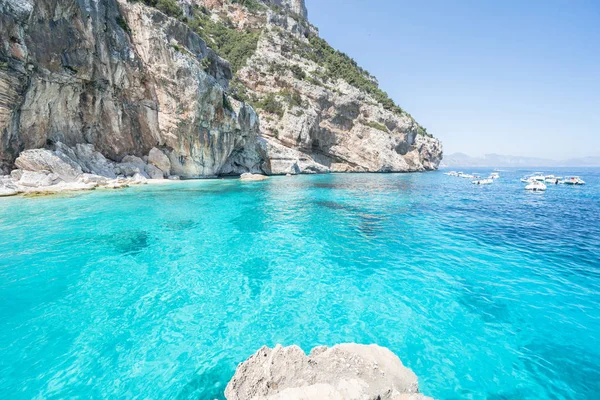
158	292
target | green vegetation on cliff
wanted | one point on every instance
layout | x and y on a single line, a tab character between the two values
236	46
340	66
169	7
271	105
375	125
251	5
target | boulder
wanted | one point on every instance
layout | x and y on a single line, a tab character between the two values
46	160
133	160
38	178
345	371
253	177
94	179
94	162
139	179
160	160
130	166
16	174
5	192
7	186
154	172
116	184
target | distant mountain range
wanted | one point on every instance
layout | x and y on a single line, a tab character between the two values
498	160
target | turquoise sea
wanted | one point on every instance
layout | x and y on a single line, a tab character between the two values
157	292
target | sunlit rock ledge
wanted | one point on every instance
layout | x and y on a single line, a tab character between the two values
344	371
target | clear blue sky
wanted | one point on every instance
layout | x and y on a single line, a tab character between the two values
506	76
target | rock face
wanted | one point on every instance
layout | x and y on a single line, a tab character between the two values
295	6
118	78
346	371
121	76
330	126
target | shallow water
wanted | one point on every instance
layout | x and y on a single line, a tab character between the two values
158	292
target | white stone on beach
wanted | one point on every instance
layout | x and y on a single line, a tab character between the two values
5	192
253	177
92	178
36	179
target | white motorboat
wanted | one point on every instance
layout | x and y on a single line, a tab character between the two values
483	181
538	176
528	179
468	176
536	186
494	175
451	173
573	180
555	180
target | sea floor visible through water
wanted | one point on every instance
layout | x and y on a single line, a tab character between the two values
160	291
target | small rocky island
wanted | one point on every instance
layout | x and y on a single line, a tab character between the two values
345	371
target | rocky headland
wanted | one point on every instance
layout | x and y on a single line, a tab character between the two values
219	87
344	372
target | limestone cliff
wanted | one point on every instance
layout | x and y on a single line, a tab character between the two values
127	77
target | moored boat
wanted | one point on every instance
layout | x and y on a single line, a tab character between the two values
573	180
536	186
528	179
555	180
486	181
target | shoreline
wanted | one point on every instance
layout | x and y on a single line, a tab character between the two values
114	184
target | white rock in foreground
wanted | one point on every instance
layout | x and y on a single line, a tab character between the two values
344	371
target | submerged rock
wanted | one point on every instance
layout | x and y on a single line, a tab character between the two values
345	371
